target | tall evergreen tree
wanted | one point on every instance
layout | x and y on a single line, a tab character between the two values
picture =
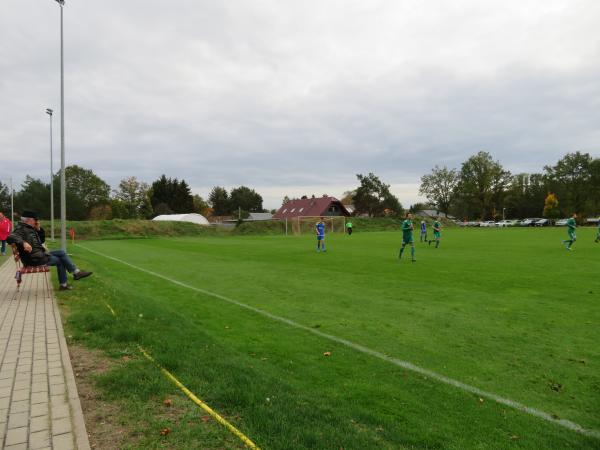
219	200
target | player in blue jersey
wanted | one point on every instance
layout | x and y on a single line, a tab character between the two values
423	231
320	229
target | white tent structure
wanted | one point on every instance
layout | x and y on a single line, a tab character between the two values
193	217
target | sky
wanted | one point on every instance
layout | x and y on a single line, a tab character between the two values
297	97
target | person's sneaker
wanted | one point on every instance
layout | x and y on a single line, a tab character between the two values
569	248
81	274
65	288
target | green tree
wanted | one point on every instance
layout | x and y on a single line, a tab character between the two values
172	193
133	197
570	178
34	195
87	188
524	196
4	199
439	187
118	209
219	201
374	198
482	185
246	199
593	205
200	205
348	197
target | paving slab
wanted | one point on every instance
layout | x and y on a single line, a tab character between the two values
39	404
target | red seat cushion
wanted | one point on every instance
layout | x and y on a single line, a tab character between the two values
34	269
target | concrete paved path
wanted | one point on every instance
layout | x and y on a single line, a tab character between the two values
39	405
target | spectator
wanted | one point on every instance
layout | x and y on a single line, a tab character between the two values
33	253
5	229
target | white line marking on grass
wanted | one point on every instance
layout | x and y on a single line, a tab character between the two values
398	362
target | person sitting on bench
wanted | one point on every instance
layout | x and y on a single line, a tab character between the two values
32	252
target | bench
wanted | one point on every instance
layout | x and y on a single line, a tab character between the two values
24	270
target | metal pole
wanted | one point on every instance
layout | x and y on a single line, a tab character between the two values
49	112
63	192
12	203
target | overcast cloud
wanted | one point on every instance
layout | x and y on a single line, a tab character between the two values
297	97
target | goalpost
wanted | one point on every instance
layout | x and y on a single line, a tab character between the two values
306	224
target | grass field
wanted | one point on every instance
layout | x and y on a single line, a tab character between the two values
508	311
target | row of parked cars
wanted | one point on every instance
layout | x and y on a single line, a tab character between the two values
531	222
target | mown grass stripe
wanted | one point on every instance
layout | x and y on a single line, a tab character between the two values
400	363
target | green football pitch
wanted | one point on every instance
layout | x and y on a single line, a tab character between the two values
307	350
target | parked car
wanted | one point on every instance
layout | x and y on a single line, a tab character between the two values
529	222
488	223
542	223
561	222
505	223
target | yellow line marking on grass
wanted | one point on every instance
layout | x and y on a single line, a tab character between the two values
111	310
193	397
200	403
366	350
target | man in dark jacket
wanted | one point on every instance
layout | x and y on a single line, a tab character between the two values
33	252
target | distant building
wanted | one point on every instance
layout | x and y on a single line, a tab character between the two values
432	213
311	207
259	216
350	208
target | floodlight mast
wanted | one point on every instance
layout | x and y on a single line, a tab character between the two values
50	112
63	193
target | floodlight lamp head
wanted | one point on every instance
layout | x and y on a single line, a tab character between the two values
49	111
60	2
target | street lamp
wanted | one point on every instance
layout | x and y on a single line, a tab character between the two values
503	210
49	112
63	192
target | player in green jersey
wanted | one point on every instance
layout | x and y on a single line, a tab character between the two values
349	228
407	237
598	233
571	225
437	233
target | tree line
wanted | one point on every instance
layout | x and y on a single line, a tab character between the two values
483	189
91	198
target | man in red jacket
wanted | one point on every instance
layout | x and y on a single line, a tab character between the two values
5	229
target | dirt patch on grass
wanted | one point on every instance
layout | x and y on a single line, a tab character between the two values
104	429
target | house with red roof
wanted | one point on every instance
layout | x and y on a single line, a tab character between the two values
311	207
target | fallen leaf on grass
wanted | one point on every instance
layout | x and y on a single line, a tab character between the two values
480	400
555	386
168	402
327	354
165	431
514	437
125	358
205	418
